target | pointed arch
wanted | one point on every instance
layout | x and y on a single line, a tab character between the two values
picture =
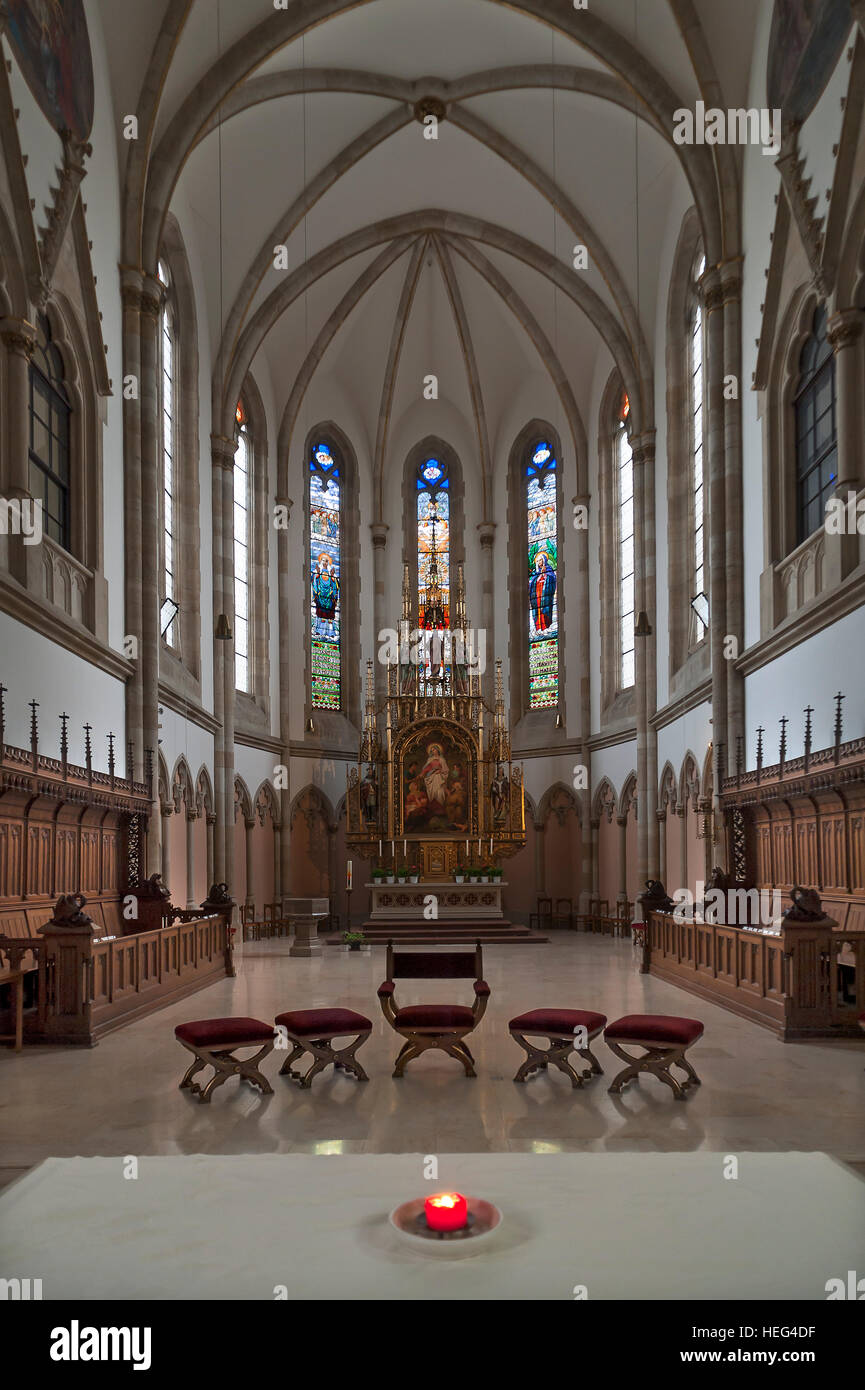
204	791
182	786
689	782
628	796
667	787
266	803
559	800
242	799
523	553
604	800
316	801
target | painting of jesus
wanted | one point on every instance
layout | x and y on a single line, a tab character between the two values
435	796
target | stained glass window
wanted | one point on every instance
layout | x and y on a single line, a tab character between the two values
325	565
624	483
433	562
543	577
169	500
816	430
697	488
242	544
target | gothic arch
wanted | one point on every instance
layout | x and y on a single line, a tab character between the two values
316	801
204	792
329	433
604	800
266	803
252	708
617	705
689	782
182	786
707	779
242	799
517	543
433	446
162	781
559	800
628	796
667	788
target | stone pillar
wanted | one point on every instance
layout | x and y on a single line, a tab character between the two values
622	895
587	838
277	861
845	335
285	673
211	823
595	825
18	337
647	693
734	566
332	885
540	860
165	870
191	818
150	388
682	813
713	294
378	531
132	283
223	449
661	814
641	655
487	537
250	890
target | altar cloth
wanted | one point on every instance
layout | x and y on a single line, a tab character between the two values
621	1225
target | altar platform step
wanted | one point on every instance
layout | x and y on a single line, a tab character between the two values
450	933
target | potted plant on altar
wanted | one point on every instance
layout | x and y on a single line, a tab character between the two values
389	875
401	874
413	874
459	875
485	873
378	875
474	873
353	939
496	874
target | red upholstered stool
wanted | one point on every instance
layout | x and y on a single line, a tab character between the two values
313	1031
214	1041
567	1030
665	1039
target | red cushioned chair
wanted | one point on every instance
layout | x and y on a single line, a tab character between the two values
567	1031
214	1041
313	1031
665	1039
443	1026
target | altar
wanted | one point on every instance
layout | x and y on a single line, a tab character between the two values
435	797
464	902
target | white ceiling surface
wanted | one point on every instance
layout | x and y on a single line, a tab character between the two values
593	149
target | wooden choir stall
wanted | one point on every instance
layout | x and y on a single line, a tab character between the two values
85	943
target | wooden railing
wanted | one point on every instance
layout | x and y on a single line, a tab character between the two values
794	982
87	986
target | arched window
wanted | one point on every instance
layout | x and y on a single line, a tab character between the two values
325	567
242	550
170	500
699	589
623	480
542	533
816	434
433	556
50	414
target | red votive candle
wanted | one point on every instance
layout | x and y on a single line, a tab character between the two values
447	1211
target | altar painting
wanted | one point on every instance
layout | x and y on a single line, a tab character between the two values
436	786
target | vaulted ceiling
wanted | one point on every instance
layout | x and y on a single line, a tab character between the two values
405	255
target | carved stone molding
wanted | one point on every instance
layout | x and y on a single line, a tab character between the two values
429	106
378	531
19	336
845	328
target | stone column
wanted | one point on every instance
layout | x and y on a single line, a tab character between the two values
622	895
540	860
151	510
332	885
223	449
641	664
595	825
378	531
132	283
682	813
713	295
165	867
285	673
644	453
845	335
661	814
487	537
250	890
587	839
18	337
211	823
191	818
734	566
277	861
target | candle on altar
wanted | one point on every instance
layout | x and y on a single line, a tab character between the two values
405	847
491	844
393	851
379	849
348	874
467	849
447	1211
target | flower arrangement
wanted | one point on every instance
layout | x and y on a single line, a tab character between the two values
353	939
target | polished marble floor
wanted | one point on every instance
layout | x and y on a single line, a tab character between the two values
122	1097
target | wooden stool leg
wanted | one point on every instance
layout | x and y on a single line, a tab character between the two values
196	1065
407	1053
347	1059
457	1050
535	1058
632	1070
287	1068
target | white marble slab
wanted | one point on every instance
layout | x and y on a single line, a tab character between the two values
624	1225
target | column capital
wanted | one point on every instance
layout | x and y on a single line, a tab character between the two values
378	531
18	335
222	451
711	289
622	822
152	297
166	810
643	447
845	328
486	533
211	818
730	272
286	502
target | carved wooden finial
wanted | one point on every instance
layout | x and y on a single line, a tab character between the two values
2	715
88	752
130	763
110	737
739	757
782	751
760	733
839	700
808	711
